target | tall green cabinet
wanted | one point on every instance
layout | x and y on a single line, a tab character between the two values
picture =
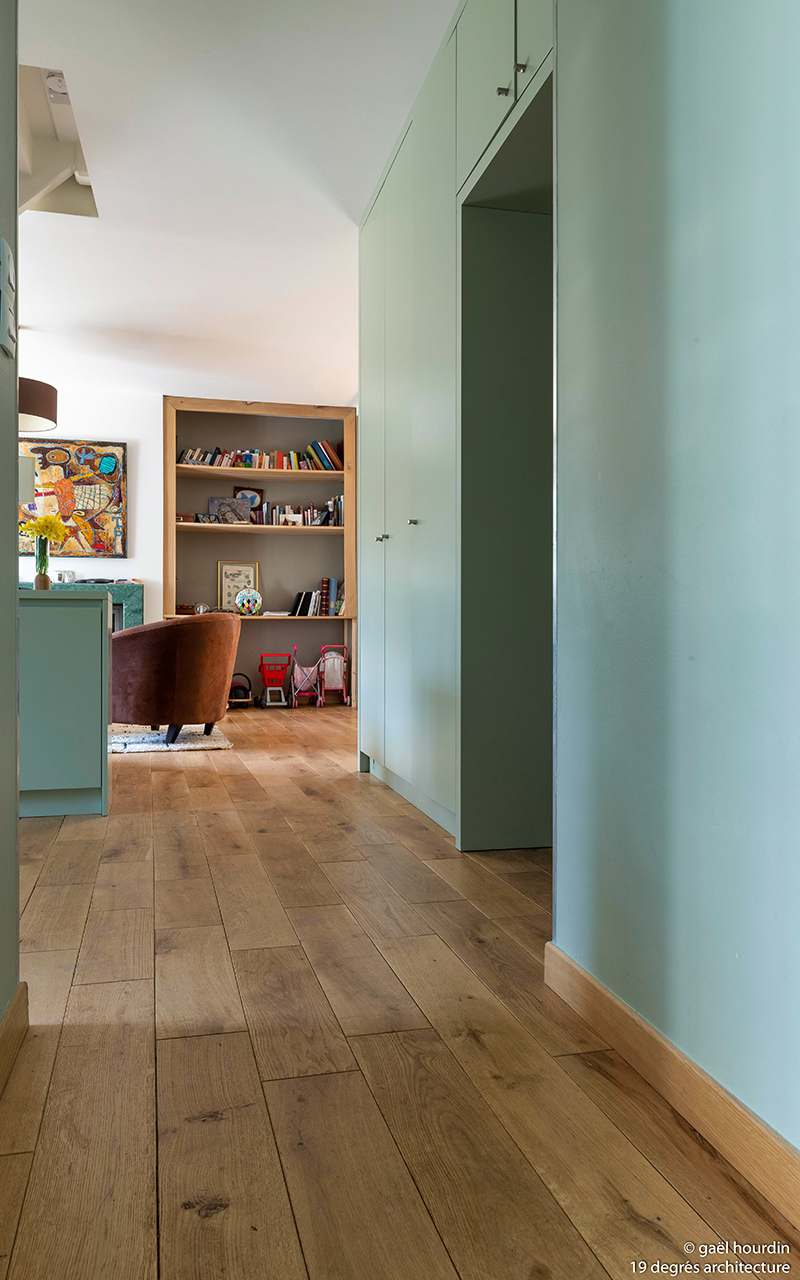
411	628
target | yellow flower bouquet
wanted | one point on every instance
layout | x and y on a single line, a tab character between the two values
51	527
46	530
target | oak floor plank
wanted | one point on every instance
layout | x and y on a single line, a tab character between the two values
54	918
29	872
378	908
508	971
264	820
14	1171
185	904
699	1173
83	826
531	932
170	791
243	787
536	883
493	1212
252	912
90	1209
224	1210
417	837
174	818
365	994
507	861
23	1100
207	791
196	992
486	891
49	978
620	1204
356	1206
223	831
331	848
123	885
117	947
179	854
291	1023
36	836
298	880
129	838
72	862
408	874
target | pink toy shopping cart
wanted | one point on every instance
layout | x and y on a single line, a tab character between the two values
305	680
333	673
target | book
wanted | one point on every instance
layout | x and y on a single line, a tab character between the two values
333	587
332	453
324	597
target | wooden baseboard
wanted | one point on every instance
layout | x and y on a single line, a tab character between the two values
770	1163
13	1026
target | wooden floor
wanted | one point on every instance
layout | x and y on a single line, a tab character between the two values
281	1028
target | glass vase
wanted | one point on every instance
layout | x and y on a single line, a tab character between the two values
42	581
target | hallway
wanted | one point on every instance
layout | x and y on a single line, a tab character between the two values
281	1028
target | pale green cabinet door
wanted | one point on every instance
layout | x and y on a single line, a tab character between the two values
485	81
399	545
371	463
433	504
534	38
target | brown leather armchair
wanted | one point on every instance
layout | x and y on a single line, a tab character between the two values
174	672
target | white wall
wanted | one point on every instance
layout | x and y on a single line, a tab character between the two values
93	410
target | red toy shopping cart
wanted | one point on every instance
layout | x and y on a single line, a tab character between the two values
273	668
333	673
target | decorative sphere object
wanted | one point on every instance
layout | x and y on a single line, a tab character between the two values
202	608
248	601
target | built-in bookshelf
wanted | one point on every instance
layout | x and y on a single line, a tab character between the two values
293	557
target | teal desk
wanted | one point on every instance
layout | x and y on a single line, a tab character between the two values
64	685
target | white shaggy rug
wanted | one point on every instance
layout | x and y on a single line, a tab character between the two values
128	738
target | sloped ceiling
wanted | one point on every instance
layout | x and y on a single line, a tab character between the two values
232	148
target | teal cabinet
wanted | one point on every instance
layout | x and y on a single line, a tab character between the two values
371	466
485	83
398	546
534	39
432	540
64	679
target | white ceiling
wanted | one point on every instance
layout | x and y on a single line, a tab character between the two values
232	148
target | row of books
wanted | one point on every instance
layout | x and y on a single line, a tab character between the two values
327	601
320	455
332	513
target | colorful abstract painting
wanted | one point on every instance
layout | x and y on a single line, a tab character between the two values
85	482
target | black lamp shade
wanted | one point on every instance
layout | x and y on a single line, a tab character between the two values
38	403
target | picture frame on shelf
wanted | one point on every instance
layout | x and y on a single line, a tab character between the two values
254	496
234	576
230	510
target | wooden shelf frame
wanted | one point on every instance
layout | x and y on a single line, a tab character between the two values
255	473
345	480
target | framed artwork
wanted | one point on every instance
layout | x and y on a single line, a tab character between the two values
230	510
86	483
254	496
232	577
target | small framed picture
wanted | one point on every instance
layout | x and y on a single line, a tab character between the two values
232	577
230	510
254	496
292	518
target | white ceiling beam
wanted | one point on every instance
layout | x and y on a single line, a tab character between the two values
53	163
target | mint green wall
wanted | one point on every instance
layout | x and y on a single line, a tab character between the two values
8	526
678	720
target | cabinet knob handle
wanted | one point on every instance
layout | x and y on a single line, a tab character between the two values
519	67
413	522
380	539
503	91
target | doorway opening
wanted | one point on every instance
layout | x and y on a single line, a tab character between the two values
506	385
